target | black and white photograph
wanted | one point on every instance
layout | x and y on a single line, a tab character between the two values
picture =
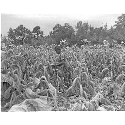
62	62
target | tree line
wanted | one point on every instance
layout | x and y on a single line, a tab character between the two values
82	34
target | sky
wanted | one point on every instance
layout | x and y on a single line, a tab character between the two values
47	22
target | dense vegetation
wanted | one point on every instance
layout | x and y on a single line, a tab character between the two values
68	70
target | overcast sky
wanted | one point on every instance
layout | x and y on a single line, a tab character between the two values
47	22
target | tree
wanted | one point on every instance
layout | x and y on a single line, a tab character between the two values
121	22
11	36
5	43
86	32
16	36
37	32
60	32
119	29
82	31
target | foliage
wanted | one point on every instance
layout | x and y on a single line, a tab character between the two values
36	77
